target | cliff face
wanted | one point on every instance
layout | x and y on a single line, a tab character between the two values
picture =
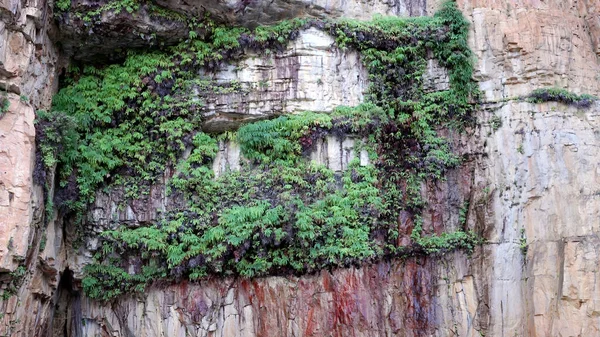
27	81
530	175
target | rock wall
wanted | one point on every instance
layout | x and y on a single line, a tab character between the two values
311	75
522	45
541	165
108	35
387	299
28	63
16	166
545	175
531	185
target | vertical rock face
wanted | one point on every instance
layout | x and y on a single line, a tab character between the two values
90	40
27	80
311	75
542	173
27	56
533	185
387	299
541	166
27	61
17	136
522	45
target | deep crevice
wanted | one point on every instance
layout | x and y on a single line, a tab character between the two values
67	320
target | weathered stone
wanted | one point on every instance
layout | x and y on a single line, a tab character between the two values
109	37
523	45
111	33
435	77
227	159
336	153
17	153
356	302
311	75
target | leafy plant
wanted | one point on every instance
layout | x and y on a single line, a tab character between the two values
63	5
495	123
463	212
16	278
523	246
4	104
125	124
562	96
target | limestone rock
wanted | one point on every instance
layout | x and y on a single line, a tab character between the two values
110	36
380	300
524	45
544	169
228	158
27	58
254	13
310	75
17	136
336	153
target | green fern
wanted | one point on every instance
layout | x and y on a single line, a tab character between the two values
131	122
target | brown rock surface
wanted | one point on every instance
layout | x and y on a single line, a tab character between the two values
108	35
17	153
522	45
387	299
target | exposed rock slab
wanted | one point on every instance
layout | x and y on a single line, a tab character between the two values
387	299
523	45
311	75
17	153
108	35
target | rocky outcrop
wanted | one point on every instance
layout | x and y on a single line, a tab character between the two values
254	13
27	57
541	165
27	62
387	299
523	45
544	173
311	75
27	79
336	153
17	154
108	34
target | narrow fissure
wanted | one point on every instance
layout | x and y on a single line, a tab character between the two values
67	320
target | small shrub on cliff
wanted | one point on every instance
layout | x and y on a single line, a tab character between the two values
562	96
4	104
63	5
57	139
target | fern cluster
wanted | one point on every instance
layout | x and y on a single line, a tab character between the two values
126	124
92	13
562	96
4	105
